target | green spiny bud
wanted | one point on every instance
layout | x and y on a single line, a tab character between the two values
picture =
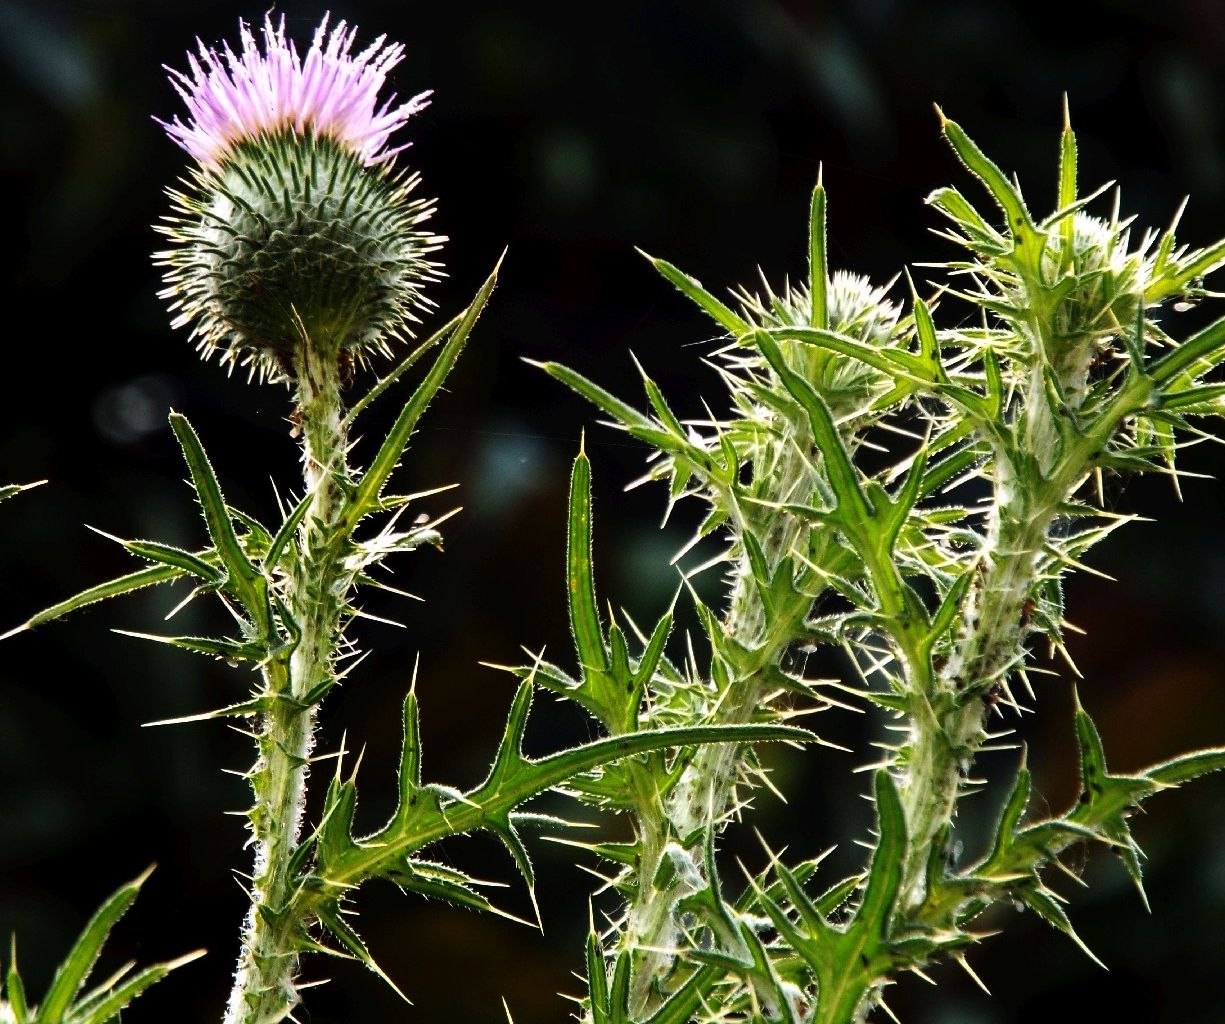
293	239
857	309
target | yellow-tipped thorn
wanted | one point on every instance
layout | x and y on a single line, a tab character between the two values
186	958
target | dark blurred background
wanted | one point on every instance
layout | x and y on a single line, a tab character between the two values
571	134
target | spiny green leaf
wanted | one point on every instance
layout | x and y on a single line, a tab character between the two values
597	979
621	412
818	262
105	1009
1067	178
500	793
653	652
1176	278
249	585
410	756
693	290
400	369
842	473
509	759
331	919
1010	817
14	989
1203	400
950	606
1092	755
437	881
284	535
213	647
885	873
75	969
505	830
104	591
335	830
1190	766
12	490
1197	353
580	585
957	208
1041	902
167	554
1002	190
369	488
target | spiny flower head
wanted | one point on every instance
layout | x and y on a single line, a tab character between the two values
258	92
294	235
856	308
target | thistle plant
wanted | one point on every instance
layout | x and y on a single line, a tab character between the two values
908	494
914	496
296	247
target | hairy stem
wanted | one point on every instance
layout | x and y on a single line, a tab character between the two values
943	748
705	793
264	988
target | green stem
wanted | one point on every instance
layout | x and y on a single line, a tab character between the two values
265	985
943	746
705	793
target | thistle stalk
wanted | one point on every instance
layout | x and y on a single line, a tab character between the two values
705	794
264	989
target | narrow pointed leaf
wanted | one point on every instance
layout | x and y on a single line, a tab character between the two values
353	943
400	369
285	534
1092	755
1010	817
1207	347
584	612
621	412
1002	190
1067	182
248	583
104	591
1045	906
366	494
885	873
12	490
597	978
106	1009
84	954
167	554
693	290
14	990
509	757
228	650
842	474
410	755
1188	767
818	263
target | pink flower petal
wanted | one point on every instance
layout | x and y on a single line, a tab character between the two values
232	97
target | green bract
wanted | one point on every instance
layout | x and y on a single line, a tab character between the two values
290	241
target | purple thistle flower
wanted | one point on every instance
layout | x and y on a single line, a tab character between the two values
252	94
